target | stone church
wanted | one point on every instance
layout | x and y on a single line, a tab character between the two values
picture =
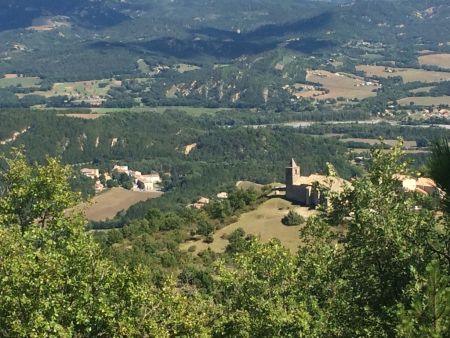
302	189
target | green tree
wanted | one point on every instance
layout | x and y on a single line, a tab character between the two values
54	281
258	295
439	166
293	218
34	195
429	312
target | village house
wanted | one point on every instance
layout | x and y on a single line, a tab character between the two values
121	169
222	195
91	173
303	189
200	204
148	182
98	187
422	185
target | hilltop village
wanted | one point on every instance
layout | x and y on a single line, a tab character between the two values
121	175
305	190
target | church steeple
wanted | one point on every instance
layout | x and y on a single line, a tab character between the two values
292	173
293	164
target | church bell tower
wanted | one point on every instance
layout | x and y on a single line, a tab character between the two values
292	174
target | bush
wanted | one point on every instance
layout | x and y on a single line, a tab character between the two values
292	218
209	239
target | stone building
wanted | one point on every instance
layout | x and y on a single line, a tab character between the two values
303	189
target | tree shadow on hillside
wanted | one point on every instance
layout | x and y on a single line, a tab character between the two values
223	44
315	23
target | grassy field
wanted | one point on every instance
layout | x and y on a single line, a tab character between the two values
440	60
425	100
407	74
421	90
106	205
25	82
339	85
264	222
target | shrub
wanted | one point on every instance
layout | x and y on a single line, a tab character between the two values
292	218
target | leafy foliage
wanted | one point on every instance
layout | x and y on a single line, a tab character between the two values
293	218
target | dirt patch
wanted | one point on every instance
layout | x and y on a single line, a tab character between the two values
108	204
264	222
440	60
407	74
83	116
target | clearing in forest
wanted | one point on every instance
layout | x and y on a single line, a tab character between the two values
94	91
13	80
264	222
440	60
184	67
106	205
83	116
407	74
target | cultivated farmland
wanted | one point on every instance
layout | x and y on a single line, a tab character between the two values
108	204
336	85
407	74
425	100
440	60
